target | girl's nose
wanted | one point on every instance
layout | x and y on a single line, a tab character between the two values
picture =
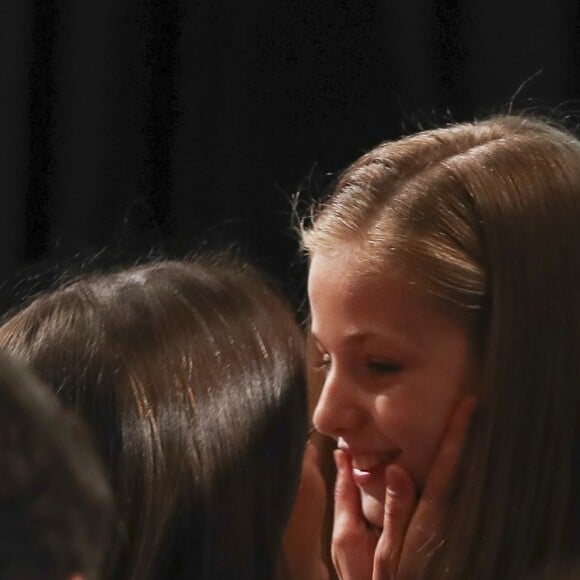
338	410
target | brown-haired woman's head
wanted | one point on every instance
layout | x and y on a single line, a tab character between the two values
459	247
55	504
190	374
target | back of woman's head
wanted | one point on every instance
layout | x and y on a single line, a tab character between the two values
485	218
191	376
55	504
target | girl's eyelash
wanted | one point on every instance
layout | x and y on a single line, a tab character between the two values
378	367
311	431
381	367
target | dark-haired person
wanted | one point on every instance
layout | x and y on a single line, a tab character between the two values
191	375
55	504
442	276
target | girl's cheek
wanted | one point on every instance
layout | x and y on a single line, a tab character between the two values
397	416
412	428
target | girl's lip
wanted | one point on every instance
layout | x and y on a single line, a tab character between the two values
368	467
365	478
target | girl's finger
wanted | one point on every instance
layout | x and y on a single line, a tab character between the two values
347	509
353	545
442	476
400	503
427	528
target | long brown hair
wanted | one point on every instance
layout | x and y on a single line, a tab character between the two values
55	504
485	216
190	374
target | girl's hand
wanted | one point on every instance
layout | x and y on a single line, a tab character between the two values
413	528
360	552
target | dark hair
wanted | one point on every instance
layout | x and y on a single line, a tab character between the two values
55	504
191	375
485	217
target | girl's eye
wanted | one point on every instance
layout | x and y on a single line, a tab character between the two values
383	367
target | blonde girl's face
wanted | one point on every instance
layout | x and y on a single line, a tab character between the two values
395	366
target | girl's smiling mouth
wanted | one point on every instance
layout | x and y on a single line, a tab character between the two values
368	468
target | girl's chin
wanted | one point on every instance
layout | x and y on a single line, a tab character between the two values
373	509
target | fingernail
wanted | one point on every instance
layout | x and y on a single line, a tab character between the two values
338	458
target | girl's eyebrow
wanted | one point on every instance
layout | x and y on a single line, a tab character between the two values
356	337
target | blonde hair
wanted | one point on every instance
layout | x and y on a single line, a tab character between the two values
486	217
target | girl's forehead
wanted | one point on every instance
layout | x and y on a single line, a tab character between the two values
346	268
347	304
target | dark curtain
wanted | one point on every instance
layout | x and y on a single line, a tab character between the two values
135	127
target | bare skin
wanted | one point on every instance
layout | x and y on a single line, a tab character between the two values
413	527
395	365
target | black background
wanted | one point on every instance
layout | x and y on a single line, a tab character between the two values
150	127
